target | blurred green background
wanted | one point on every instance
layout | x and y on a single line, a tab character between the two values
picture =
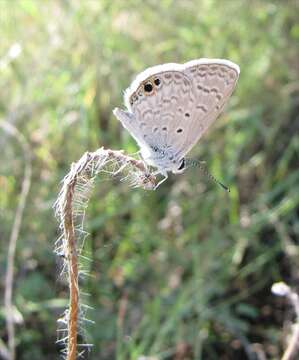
184	272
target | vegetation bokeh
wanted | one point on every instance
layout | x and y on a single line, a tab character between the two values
184	272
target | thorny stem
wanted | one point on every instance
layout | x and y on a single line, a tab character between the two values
9	277
72	262
87	167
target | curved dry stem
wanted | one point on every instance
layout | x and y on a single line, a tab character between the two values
72	261
282	289
70	205
9	276
291	351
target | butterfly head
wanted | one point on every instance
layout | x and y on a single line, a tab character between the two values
182	167
176	166
164	159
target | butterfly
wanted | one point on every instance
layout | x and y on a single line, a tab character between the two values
170	106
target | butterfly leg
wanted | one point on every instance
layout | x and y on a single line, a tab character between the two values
164	173
139	153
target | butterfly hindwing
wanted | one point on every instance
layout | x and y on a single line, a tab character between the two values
157	103
212	84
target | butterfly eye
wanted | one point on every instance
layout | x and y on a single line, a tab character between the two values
157	82
148	87
182	165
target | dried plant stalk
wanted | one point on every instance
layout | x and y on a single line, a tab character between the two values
282	289
70	206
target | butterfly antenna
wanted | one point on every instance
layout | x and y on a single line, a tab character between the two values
208	174
212	177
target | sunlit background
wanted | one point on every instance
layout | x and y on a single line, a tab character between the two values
184	272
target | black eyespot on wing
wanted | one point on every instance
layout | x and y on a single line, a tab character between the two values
148	87
182	165
164	128
187	114
157	82
179	130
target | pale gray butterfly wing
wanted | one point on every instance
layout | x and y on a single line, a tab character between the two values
129	122
172	105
